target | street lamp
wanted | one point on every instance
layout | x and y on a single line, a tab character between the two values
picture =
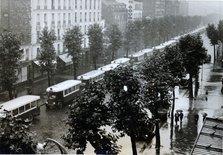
125	88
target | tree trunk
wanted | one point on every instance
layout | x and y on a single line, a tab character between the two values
74	71
95	64
214	55
127	53
48	77
196	85
10	94
157	133
133	141
113	55
190	86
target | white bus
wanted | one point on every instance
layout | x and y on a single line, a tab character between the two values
27	107
92	76
62	93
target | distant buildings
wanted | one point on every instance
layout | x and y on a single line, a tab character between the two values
134	7
29	17
114	13
161	8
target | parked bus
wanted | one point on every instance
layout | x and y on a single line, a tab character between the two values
92	76
26	107
62	93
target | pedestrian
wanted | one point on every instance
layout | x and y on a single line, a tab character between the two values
176	117
181	116
196	117
204	116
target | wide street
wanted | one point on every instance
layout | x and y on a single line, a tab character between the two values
176	140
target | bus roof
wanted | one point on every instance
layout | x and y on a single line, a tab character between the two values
90	74
18	102
138	54
147	50
63	85
108	67
121	60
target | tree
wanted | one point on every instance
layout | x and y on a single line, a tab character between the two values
15	137
73	41
88	114
128	39
157	87
10	56
128	112
47	53
212	34
95	42
115	39
194	55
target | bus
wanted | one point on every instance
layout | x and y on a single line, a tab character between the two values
91	77
26	107
62	93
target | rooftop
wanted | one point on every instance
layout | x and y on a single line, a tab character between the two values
210	138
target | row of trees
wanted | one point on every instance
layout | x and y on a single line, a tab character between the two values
138	35
215	34
125	106
122	102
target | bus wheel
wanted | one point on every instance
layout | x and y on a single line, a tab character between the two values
30	118
60	105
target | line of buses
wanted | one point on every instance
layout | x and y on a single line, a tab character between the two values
28	106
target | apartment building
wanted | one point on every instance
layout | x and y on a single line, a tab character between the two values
29	17
114	13
134	7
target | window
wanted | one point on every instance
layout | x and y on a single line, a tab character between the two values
33	104
80	16
52	4
64	4
15	112
45	4
99	4
58	48
98	16
37	36
38	4
85	29
75	17
85	4
64	18
27	54
90	4
38	52
58	34
27	107
59	5
75	4
80	4
69	18
53	18
21	109
94	16
85	16
69	4
90	17
84	42
94	4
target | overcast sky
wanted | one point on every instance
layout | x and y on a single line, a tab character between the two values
201	7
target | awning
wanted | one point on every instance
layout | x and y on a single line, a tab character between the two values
38	63
67	59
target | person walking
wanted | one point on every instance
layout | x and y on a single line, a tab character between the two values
181	116
176	117
196	118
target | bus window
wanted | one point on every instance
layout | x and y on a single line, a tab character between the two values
33	104
27	107
21	109
15	112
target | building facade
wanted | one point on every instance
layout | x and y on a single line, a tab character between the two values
183	8
153	8
134	7
56	15
114	12
172	8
